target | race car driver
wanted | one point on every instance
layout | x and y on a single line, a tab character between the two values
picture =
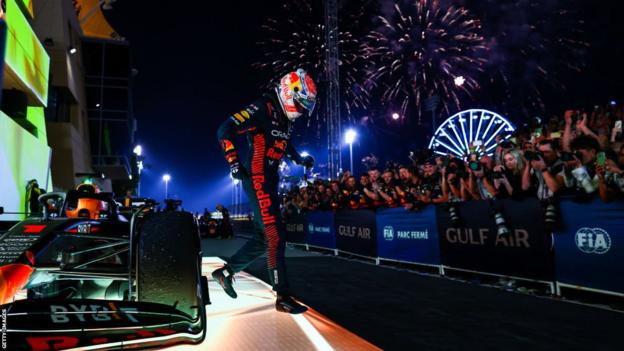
267	123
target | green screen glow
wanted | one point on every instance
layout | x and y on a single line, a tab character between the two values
36	116
27	5
22	158
25	55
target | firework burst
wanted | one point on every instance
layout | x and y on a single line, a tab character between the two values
421	49
298	40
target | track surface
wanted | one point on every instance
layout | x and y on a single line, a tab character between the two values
399	310
250	322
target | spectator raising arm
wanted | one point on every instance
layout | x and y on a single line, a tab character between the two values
502	181
567	131
583	128
387	198
606	194
450	180
445	194
471	187
526	176
372	194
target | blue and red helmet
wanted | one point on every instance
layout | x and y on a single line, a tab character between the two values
297	94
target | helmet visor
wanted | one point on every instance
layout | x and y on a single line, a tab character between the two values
307	102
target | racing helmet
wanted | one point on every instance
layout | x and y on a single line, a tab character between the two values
296	93
85	207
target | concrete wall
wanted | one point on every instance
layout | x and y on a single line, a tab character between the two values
58	25
66	162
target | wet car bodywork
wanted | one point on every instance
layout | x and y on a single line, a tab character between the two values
101	282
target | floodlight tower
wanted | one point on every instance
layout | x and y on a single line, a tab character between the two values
332	105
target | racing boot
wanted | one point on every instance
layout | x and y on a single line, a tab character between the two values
285	303
225	277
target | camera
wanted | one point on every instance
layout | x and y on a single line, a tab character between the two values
497	175
454	215
576	116
533	155
500	224
445	161
506	144
567	156
550	217
457	167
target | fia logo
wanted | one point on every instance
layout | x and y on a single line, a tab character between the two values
388	233
310	228
593	240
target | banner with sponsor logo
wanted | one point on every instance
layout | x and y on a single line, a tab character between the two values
320	230
475	244
356	232
295	229
408	236
590	245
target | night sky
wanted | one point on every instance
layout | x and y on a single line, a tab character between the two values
194	63
194	71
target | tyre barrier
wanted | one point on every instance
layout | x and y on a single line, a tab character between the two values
586	251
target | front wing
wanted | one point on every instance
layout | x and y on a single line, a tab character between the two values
95	325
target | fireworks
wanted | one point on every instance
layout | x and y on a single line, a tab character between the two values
501	53
421	49
298	40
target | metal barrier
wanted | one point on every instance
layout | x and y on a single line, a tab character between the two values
586	253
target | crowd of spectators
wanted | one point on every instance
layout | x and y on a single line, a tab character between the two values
581	154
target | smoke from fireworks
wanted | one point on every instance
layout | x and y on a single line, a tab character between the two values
510	52
298	40
533	44
420	50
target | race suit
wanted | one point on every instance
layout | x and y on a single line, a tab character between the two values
268	133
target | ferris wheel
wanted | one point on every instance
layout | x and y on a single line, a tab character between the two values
469	130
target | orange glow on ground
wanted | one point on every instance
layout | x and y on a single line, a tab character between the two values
250	322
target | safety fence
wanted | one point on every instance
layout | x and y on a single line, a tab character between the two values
586	251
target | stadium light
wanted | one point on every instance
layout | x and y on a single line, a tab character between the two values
350	136
349	139
166	178
138	150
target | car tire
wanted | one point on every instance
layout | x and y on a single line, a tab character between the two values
168	263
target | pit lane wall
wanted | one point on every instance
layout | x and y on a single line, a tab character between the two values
585	252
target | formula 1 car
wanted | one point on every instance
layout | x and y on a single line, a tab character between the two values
209	228
83	276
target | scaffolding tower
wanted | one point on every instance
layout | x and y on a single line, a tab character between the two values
332	105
